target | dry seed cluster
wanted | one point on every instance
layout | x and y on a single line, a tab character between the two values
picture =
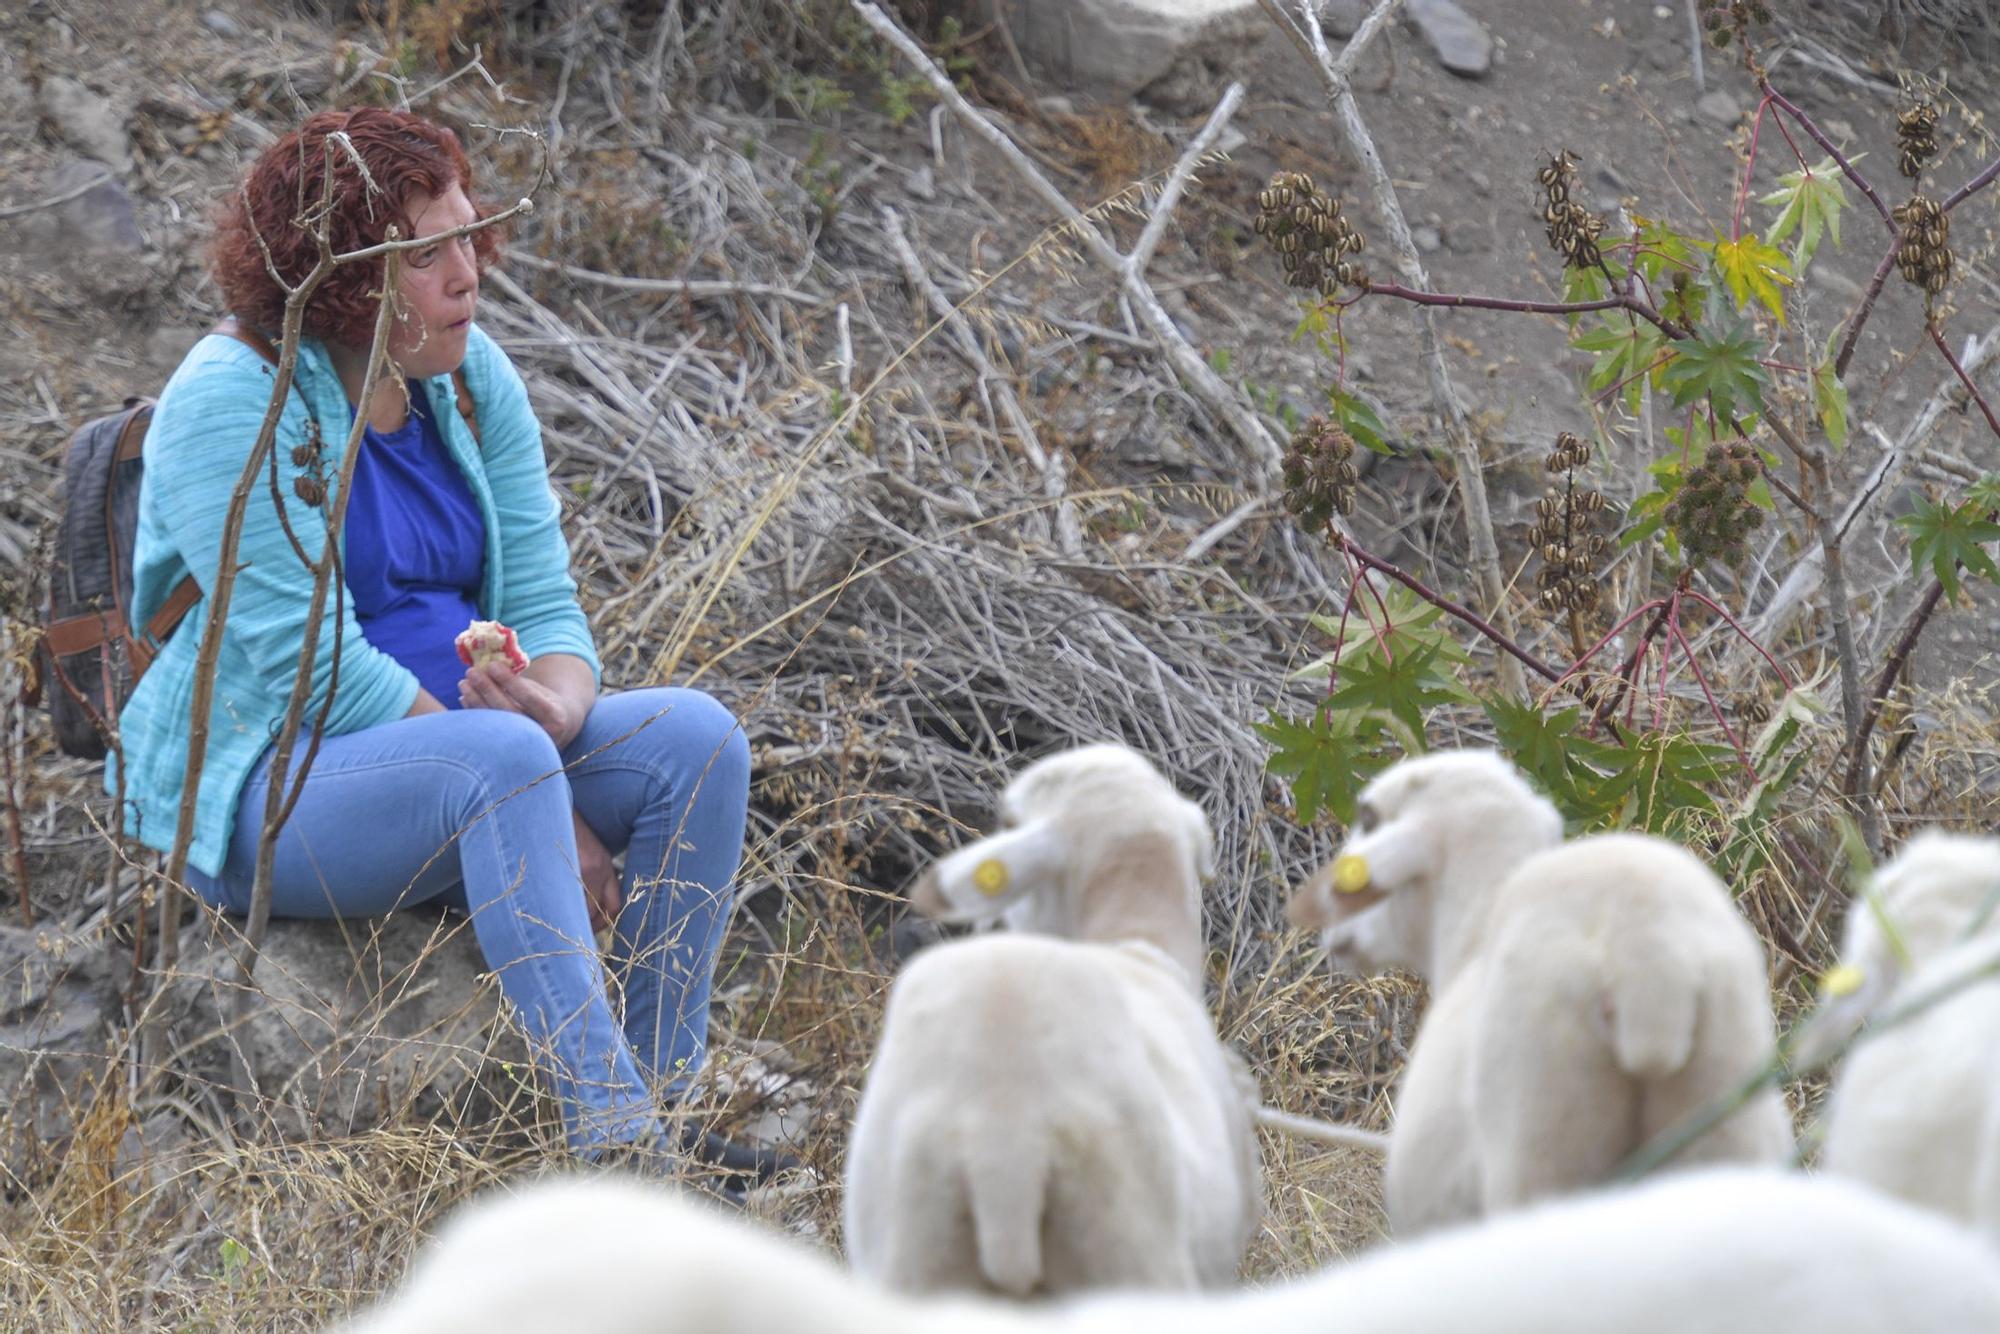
1925	256
1712	512
1319	473
1305	226
1565	531
1916	137
1573	229
1724	19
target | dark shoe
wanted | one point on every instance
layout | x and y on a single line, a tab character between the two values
755	1161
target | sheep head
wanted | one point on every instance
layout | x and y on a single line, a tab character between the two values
1094	844
1940	890
1432	837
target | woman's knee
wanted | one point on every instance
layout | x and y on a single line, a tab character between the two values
503	756
692	735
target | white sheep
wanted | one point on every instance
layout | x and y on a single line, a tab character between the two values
1051	1111
1585	996
1716	1251
1915	1110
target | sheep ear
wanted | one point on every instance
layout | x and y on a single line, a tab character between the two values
1200	838
984	879
1851	993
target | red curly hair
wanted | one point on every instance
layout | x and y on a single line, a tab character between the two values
405	155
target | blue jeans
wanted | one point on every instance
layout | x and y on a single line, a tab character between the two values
473	807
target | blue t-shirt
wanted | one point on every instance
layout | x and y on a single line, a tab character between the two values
415	549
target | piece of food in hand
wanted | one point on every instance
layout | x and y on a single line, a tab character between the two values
489	641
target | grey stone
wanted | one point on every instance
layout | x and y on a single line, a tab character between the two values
88	121
922	183
351	1024
1460	41
94	238
56	1009
1479	181
1341	18
1720	109
1173	52
1428	239
221	24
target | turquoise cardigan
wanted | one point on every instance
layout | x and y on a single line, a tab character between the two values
202	432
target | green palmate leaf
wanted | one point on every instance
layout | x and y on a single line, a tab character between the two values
1416	678
1583	285
1721	370
1830	398
1754	271
1359	420
1660	248
1808	201
1945	537
1548	750
1985	493
1321	757
1664	783
1623	351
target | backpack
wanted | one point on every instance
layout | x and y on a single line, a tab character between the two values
88	657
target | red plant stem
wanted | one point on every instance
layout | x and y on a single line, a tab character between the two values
1805	123
1624	302
1944	349
1899	656
1790	143
1749	166
1629	671
1687	651
1666	661
1466	614
1747	637
1971	187
1867	307
1340	637
1610	635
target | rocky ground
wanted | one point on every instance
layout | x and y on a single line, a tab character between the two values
120	122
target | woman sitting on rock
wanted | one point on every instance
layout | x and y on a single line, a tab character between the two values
504	792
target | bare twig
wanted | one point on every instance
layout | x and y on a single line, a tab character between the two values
1202	381
1451	413
1050	466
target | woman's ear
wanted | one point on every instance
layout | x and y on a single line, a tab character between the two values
984	879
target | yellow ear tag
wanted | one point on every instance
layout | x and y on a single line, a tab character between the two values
1350	873
990	877
1841	980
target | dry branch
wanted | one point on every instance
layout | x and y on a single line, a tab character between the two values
1335	74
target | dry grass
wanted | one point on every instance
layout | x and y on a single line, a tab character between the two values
780	487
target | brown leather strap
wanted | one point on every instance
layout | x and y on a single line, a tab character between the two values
186	593
231	327
131	439
86	630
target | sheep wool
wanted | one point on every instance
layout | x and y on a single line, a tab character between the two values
1585	996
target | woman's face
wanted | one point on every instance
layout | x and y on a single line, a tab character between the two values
438	288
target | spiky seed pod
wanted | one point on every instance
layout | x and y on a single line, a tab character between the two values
1923	253
1563	536
1309	233
1711	513
1916	138
1319	477
1727	19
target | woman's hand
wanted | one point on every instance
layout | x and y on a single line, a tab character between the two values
600	879
556	691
